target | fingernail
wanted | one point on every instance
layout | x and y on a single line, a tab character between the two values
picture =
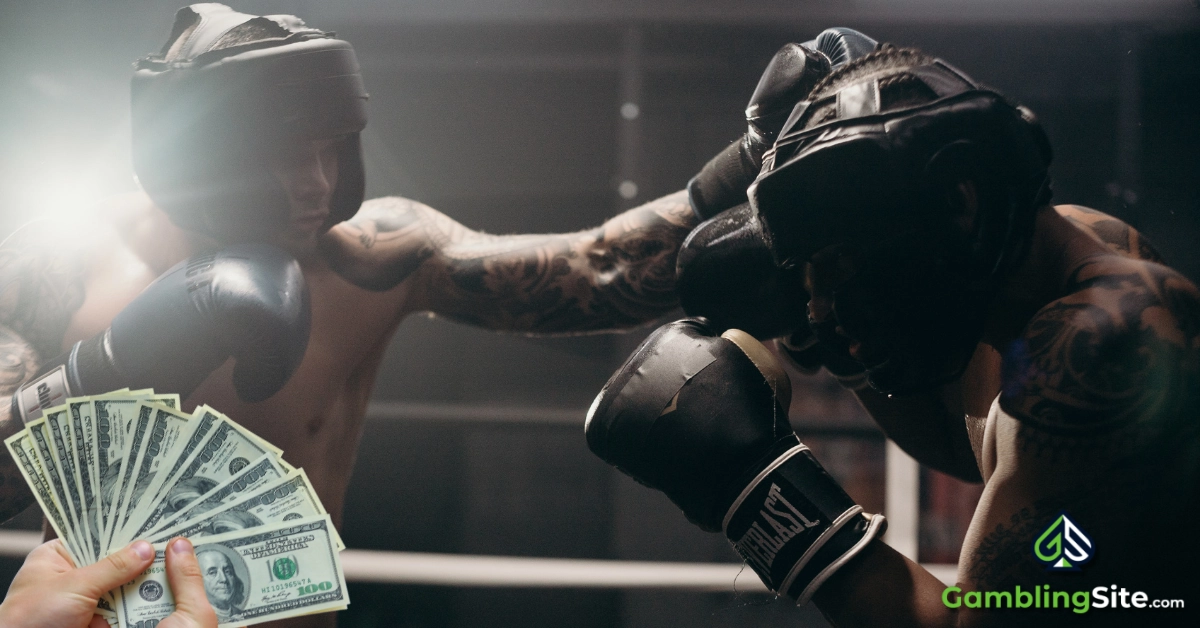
143	550
181	546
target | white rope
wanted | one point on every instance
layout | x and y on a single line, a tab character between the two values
461	570
18	543
504	571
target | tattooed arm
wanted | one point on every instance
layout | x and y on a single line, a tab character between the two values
17	363
39	292
618	275
930	426
1098	419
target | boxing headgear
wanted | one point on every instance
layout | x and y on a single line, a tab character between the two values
873	179
225	90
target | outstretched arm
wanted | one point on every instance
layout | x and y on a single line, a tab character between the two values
618	275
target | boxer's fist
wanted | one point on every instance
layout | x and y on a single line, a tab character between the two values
703	418
726	274
247	301
691	414
842	45
722	182
789	77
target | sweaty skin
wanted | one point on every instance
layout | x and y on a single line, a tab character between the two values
1093	350
394	258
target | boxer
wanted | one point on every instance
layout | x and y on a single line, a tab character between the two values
246	143
909	207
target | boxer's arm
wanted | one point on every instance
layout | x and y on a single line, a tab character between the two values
940	440
1109	368
18	362
40	289
620	274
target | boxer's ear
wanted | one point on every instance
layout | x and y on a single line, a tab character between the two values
952	177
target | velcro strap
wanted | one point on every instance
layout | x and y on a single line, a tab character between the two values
782	520
46	391
859	99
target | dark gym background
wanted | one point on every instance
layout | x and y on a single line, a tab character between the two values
508	116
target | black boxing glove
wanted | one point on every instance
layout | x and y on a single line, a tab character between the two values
703	418
842	45
725	273
789	77
722	182
248	302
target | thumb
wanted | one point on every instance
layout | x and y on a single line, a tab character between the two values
111	572
187	585
765	362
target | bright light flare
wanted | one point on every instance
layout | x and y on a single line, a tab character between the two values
61	202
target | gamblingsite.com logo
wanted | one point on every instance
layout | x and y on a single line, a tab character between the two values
1062	546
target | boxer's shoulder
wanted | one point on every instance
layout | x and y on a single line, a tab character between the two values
1121	347
1110	231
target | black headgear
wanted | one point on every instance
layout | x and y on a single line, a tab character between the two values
875	181
224	88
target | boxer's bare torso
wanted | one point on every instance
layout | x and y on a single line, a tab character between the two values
413	259
950	438
1085	404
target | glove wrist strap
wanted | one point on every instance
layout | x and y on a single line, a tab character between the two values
795	526
88	368
49	389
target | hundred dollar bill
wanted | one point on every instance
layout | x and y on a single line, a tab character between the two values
57	428
20	446
83	431
248	433
134	439
83	436
58	490
200	446
226	451
158	433
284	500
112	414
203	421
252	576
188	500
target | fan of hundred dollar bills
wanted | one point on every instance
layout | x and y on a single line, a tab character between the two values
114	468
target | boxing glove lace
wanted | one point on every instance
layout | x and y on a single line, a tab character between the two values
789	77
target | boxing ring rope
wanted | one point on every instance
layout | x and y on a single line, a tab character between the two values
463	570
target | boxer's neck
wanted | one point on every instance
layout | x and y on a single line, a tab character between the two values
1057	249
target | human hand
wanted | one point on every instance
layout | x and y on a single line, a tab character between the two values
49	592
192	609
